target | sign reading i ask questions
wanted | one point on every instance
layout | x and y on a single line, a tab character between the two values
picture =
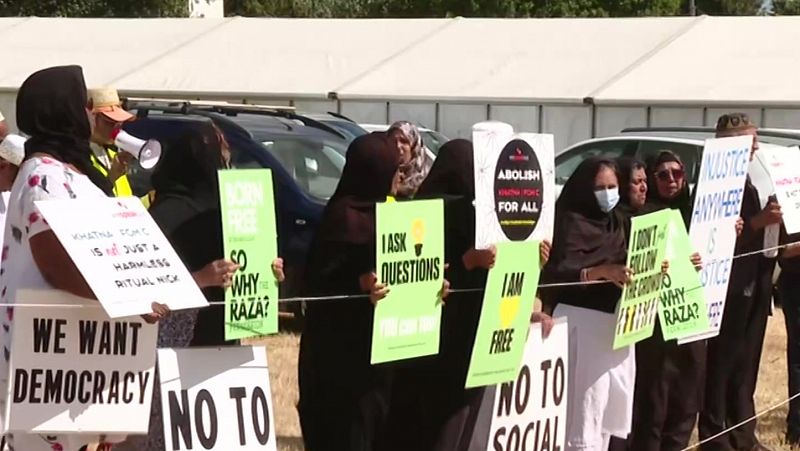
75	370
216	399
123	255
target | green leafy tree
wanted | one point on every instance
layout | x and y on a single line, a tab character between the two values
786	7
94	8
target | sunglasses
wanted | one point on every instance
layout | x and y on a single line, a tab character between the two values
666	175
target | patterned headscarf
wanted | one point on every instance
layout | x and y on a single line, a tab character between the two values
418	166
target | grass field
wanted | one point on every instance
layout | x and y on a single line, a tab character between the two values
282	351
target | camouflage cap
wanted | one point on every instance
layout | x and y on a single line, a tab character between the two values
734	122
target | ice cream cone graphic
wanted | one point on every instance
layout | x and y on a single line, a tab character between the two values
418	234
509	306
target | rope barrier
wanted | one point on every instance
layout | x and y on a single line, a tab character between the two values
754	417
365	296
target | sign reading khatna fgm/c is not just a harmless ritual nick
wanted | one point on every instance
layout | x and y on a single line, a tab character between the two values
637	309
505	314
250	240
410	262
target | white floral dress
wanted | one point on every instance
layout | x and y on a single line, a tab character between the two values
39	178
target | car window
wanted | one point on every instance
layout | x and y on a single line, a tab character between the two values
690	154
568	162
433	141
316	166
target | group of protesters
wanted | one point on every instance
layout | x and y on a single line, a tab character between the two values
639	398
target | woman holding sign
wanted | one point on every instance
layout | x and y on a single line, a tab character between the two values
51	109
589	245
343	398
669	378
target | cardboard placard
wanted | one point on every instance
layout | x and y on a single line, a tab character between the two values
122	254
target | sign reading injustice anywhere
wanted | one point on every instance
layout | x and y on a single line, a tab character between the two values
636	311
530	412
122	254
514	185
75	370
505	314
717	206
250	239
410	262
216	399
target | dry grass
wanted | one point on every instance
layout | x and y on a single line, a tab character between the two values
282	352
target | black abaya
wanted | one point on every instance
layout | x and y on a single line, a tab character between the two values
734	355
343	398
430	408
669	377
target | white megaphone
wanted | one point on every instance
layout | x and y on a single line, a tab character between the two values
147	152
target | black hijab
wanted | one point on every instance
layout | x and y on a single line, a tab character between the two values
366	179
51	109
452	172
188	168
681	202
584	236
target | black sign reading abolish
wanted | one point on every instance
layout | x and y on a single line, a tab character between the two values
518	190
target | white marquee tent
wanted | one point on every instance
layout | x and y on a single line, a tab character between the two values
576	78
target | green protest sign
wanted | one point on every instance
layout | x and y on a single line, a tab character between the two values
251	240
637	309
682	310
505	314
410	261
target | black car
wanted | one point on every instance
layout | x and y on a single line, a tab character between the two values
305	156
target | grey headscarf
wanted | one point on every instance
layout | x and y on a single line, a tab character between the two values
417	168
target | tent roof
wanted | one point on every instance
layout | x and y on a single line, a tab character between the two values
679	61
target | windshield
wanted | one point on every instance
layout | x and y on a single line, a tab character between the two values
433	140
316	165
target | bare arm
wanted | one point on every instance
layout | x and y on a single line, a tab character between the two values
56	266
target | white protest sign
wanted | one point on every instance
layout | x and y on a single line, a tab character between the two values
783	166
122	254
514	184
75	370
217	399
530	413
717	206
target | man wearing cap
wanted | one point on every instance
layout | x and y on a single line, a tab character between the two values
109	116
734	355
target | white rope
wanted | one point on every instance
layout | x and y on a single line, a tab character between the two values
754	417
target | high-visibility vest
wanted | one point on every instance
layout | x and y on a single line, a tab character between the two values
122	187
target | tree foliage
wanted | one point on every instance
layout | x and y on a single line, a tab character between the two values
94	8
395	8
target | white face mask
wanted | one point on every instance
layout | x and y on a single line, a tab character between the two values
607	199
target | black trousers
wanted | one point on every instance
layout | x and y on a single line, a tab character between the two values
789	285
733	360
669	389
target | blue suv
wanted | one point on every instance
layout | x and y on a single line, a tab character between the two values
306	158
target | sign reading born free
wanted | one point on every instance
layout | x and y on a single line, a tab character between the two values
514	185
75	370
636	311
250	239
125	258
410	262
